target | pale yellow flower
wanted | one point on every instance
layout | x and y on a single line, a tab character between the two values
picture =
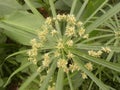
65	69
46	56
42	78
74	67
70	55
48	20
56	54
60	44
46	60
46	63
89	66
61	63
34	61
32	52
106	49
84	76
42	35
54	32
71	19
70	31
95	53
99	52
81	31
39	69
51	88
79	24
117	33
61	17
33	41
69	43
86	36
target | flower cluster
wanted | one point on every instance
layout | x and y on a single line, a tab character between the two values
70	31
73	67
46	60
62	63
89	66
117	34
95	53
32	53
99	53
59	43
42	34
106	49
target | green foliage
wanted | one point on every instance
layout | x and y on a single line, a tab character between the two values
19	23
20	27
9	6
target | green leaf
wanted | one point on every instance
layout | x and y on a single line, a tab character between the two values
1	82
17	35
70	82
16	71
61	5
9	6
98	37
29	80
92	8
24	20
103	18
60	77
82	9
68	2
33	9
92	76
75	7
33	86
16	53
110	65
97	47
77	82
51	72
21	27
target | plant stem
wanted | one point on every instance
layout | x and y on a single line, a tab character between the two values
33	9
73	6
70	83
54	15
82	9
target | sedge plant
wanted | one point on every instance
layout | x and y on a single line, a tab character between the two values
67	45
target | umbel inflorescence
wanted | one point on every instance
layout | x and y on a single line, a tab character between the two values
56	39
